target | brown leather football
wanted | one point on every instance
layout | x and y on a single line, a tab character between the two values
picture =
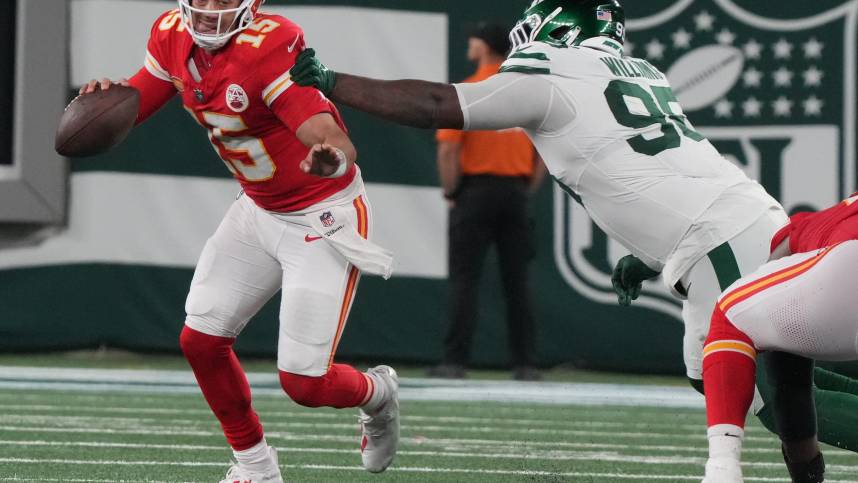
95	122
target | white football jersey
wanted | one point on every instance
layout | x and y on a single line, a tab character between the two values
613	135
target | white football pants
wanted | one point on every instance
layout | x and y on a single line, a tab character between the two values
254	253
750	249
804	304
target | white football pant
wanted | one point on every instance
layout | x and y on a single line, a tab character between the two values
751	250
254	253
804	304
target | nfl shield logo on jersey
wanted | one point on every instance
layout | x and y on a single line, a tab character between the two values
327	218
775	96
236	98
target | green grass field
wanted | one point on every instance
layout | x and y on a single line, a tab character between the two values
119	435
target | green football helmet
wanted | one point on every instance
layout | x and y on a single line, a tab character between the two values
565	23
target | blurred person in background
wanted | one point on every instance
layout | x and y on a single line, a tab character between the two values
488	178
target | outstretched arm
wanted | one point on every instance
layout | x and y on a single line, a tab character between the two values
428	105
415	103
502	101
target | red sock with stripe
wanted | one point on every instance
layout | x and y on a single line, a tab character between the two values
342	387
728	373
729	367
728	378
224	385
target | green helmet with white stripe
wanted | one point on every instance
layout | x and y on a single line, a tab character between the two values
567	23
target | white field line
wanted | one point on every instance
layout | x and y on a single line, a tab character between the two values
512	449
284	416
411	389
404	469
275	402
294	420
292	415
699	433
530	455
276	412
173	431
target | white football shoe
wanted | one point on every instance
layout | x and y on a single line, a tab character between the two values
723	470
237	474
381	428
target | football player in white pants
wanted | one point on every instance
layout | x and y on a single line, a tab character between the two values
802	304
305	232
613	135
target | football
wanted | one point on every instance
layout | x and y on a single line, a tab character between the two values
705	75
95	122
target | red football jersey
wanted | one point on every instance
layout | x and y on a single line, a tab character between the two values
248	103
812	231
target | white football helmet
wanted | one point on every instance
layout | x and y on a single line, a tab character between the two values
244	15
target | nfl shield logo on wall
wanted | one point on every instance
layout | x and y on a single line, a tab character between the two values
775	96
236	98
327	218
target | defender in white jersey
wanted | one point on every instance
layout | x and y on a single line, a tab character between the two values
613	135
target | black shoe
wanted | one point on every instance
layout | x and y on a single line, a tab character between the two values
526	373
447	371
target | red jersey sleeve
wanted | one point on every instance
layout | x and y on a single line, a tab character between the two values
154	93
153	80
291	103
160	44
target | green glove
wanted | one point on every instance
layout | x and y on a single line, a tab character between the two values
309	72
628	278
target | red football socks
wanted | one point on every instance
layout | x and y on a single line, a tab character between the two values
728	373
224	385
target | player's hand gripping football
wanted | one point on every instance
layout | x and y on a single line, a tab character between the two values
308	71
325	161
104	84
628	278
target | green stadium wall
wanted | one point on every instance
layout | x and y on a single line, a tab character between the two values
117	274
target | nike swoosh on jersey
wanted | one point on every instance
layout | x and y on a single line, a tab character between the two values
294	43
309	239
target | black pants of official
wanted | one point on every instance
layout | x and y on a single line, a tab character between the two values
490	210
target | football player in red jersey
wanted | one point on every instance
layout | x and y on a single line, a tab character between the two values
800	303
303	231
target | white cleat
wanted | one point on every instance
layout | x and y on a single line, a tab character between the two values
723	470
381	429
237	474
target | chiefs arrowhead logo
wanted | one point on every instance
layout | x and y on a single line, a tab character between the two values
236	98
